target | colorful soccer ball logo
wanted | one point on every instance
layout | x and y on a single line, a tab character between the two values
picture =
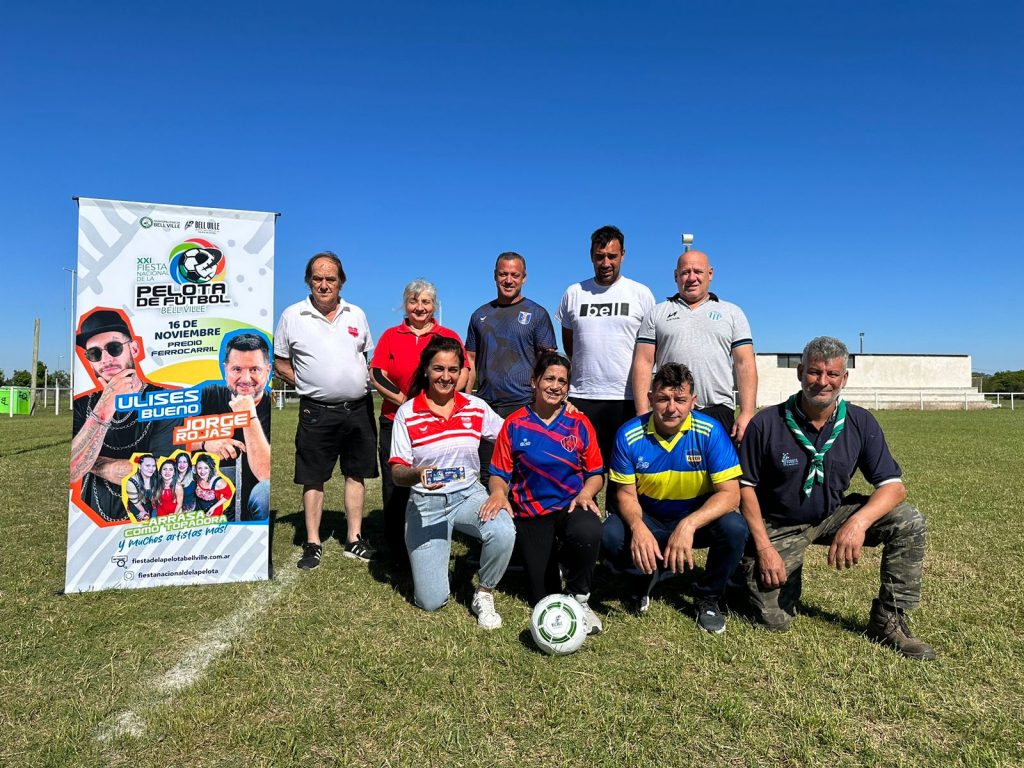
196	261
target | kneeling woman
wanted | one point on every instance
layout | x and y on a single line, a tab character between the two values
440	429
550	461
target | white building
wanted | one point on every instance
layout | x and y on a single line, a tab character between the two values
880	381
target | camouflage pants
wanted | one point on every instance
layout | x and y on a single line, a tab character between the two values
900	533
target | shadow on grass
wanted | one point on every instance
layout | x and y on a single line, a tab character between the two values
674	590
738	605
332	526
844	622
526	640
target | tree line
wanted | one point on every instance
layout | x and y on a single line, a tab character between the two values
44	376
1003	381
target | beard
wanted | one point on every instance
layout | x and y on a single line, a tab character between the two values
256	394
822	399
129	366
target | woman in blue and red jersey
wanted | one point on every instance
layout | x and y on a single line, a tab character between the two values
547	463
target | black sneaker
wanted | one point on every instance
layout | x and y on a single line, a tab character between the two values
310	556
641	601
360	549
709	616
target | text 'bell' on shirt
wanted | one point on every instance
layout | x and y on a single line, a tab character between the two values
673	477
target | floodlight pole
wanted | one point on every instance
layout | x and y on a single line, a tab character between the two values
862	342
687	239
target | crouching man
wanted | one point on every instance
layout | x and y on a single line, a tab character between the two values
675	472
798	458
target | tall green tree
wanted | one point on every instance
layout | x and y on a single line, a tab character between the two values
21	379
1006	381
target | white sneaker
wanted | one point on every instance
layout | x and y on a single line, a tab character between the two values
594	625
483	607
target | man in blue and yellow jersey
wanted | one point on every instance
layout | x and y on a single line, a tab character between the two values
676	476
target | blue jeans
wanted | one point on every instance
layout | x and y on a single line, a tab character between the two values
429	521
259	501
724	539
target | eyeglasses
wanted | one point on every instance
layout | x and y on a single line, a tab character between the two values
95	354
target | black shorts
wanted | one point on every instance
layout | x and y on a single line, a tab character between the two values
606	416
486	451
723	414
345	433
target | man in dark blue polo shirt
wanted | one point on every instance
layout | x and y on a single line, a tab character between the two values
505	337
798	458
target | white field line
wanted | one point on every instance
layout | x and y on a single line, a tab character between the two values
160	691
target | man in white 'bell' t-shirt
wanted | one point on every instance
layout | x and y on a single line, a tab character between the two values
600	318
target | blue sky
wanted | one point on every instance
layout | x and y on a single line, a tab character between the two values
848	166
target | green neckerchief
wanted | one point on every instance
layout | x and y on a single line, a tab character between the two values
816	470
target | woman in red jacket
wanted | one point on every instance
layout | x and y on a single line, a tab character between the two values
212	491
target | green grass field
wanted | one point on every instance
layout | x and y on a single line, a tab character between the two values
335	666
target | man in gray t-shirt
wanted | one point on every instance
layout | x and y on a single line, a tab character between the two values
709	336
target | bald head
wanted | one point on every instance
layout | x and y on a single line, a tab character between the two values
693	276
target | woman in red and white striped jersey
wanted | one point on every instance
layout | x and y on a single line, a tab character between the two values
434	451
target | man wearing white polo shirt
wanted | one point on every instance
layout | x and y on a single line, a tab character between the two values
321	348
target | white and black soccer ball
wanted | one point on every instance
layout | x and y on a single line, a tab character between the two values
559	624
199	265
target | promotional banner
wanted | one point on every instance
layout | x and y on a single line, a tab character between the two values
170	450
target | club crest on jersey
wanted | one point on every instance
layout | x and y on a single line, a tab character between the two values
524	318
525	442
714	315
353	331
467	422
570	443
692	457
